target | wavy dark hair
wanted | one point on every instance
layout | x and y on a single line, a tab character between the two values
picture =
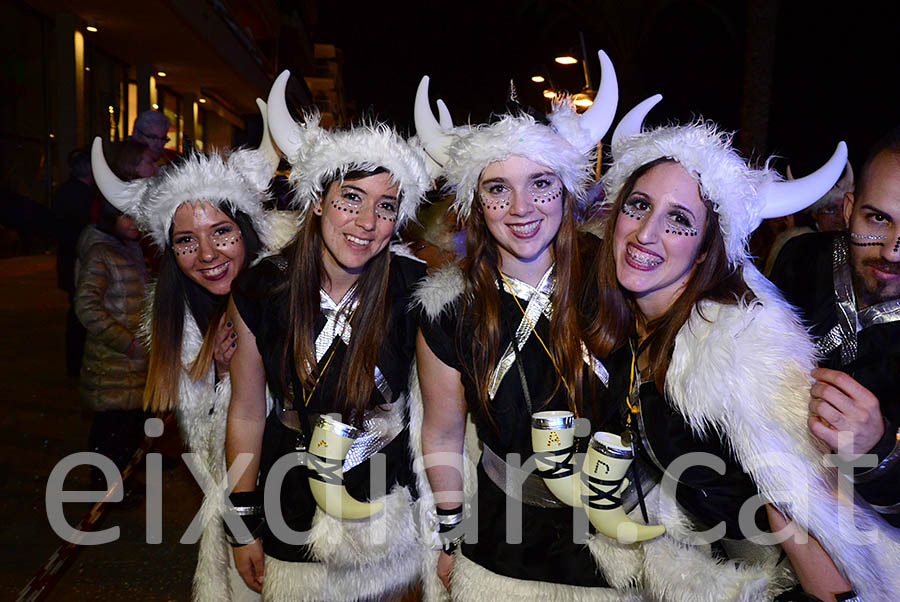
174	290
370	321
609	311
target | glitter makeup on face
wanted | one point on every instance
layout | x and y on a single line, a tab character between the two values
630	212
386	211
868	240
342	204
185	248
547	194
496	202
226	239
681	230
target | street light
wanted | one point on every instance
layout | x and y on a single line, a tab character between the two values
538	79
566	60
549	94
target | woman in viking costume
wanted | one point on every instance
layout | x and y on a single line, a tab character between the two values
711	371
326	325
206	213
499	341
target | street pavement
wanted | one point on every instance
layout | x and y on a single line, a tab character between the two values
41	422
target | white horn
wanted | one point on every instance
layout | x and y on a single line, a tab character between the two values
444	115
633	121
284	130
603	482
111	187
784	198
331	440
597	119
266	147
553	440
429	130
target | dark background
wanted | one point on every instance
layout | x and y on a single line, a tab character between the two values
833	75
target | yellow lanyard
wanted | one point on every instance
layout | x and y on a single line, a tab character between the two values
555	367
306	397
632	408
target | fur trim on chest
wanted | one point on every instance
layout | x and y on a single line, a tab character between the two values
438	292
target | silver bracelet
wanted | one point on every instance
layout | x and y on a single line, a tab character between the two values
883	466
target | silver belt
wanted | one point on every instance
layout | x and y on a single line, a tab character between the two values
508	478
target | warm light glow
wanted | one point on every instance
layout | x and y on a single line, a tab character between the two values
87	68
155	106
161	73
583	102
92	29
201	100
52	135
566	60
537	79
111	110
549	94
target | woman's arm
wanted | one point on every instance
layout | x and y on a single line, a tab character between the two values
244	434
443	433
814	568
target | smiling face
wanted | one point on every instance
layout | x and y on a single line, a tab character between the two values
208	246
873	218
658	236
522	203
357	222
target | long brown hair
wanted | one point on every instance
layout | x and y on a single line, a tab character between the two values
610	311
174	290
481	308
370	320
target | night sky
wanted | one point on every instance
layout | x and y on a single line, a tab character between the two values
835	72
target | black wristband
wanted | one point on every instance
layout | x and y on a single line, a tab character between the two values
248	507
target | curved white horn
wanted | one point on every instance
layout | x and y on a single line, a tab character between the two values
284	130
633	121
429	130
444	115
331	440
266	146
553	441
111	187
846	181
603	475
597	119
785	198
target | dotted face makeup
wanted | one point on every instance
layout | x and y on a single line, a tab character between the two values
342	204
496	201
543	193
868	240
186	248
672	227
630	212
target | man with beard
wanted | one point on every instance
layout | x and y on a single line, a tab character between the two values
847	288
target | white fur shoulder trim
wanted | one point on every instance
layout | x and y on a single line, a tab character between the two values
401	248
437	292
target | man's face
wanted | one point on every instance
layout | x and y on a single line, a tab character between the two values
154	137
873	219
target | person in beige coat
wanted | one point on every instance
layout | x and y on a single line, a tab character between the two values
109	296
